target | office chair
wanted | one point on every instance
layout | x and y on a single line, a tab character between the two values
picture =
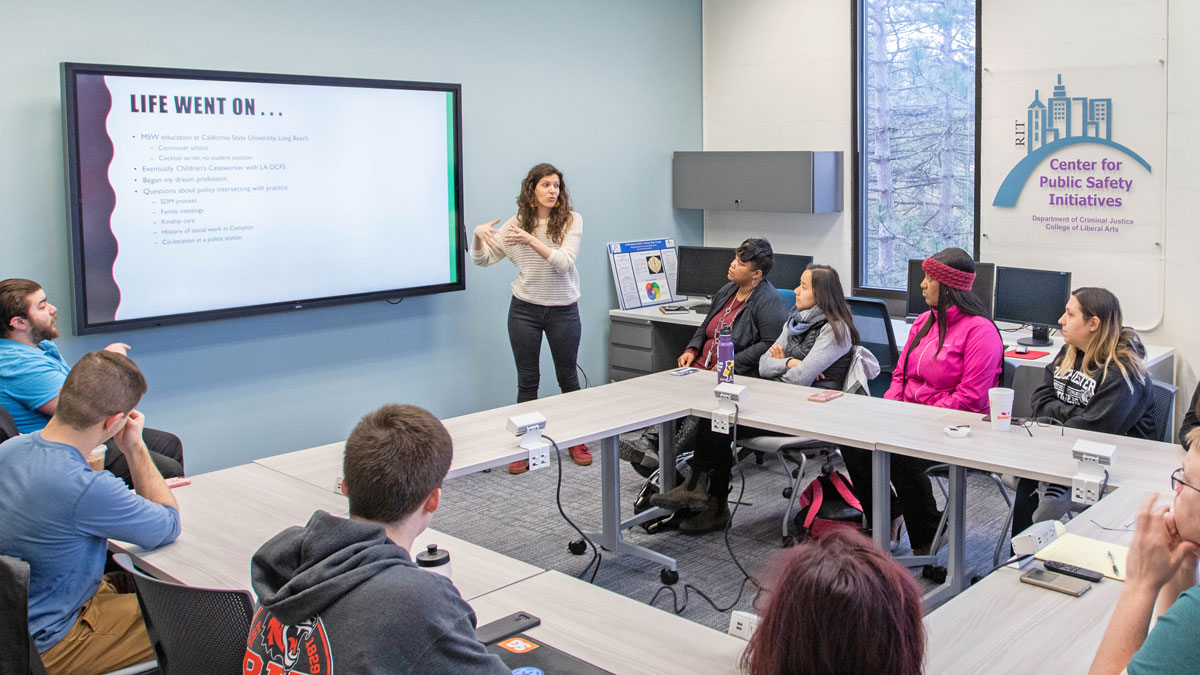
874	326
19	656
193	630
8	427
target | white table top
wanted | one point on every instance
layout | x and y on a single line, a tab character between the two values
228	514
482	441
611	631
655	314
1001	625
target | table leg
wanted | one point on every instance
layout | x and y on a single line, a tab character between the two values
958	575
609	538
881	501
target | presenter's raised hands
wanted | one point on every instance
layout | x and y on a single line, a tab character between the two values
486	233
515	236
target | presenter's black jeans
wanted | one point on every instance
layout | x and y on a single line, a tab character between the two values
166	451
526	323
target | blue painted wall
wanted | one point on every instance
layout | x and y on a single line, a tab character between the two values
605	90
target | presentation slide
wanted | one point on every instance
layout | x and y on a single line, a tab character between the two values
203	194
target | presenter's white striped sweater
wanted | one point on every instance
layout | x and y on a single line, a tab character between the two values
553	282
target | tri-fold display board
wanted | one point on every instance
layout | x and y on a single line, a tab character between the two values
199	194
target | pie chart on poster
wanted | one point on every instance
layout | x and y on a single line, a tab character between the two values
653	291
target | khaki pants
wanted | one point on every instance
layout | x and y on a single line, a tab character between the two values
108	635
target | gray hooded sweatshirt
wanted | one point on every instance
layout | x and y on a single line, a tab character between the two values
337	596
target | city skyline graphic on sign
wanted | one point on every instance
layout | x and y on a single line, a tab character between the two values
1061	121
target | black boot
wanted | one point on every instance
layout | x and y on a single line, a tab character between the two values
642	452
715	516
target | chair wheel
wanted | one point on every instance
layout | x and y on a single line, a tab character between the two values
788	541
787	493
795	473
934	573
669	577
577	547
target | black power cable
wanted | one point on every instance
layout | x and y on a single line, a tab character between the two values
596	556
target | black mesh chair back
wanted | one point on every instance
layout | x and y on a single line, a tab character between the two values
8	427
1164	410
18	656
874	326
193	630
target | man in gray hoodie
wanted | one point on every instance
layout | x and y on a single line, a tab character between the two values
345	593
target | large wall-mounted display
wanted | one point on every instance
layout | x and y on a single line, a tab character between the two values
200	194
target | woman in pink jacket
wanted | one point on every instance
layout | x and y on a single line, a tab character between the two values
953	356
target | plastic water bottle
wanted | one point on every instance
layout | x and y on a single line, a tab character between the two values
725	356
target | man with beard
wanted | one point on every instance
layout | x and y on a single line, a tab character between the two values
32	372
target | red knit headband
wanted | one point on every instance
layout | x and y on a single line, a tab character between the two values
947	275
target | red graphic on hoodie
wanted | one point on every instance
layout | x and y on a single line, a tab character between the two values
275	648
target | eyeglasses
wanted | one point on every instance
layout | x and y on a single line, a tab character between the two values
1177	480
1026	422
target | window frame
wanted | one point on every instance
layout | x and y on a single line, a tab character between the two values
858	127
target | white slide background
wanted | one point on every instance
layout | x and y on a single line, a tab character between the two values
322	191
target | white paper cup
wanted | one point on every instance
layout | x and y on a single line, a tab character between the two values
1000	401
96	458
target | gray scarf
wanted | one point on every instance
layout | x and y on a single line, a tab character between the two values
798	323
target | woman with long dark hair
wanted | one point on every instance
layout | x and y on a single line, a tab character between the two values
837	604
542	240
954	354
1098	382
814	349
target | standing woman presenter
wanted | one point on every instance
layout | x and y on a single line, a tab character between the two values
542	240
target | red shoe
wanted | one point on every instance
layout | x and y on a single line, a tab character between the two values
519	466
580	455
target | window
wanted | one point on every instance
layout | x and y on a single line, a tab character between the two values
915	176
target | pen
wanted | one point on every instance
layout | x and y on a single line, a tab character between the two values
1114	564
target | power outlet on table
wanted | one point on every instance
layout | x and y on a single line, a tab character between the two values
539	457
743	624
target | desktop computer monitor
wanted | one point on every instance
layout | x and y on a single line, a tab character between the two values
788	269
985	281
702	270
1036	297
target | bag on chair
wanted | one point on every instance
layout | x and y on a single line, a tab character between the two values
827	504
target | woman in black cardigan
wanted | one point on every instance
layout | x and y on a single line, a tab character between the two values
752	306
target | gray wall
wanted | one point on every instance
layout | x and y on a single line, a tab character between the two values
605	90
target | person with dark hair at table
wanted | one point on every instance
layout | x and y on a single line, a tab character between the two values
346	590
837	604
750	307
32	372
954	354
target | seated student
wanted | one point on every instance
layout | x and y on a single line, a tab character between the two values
1097	382
347	589
1160	581
57	514
815	349
1190	420
32	373
953	356
751	307
837	604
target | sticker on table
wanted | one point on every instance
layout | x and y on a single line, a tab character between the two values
519	645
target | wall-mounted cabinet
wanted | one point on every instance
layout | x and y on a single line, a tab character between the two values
778	181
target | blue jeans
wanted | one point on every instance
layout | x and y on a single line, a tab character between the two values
526	323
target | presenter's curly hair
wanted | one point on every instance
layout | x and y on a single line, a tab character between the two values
560	215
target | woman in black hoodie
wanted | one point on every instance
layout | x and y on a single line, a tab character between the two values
1097	382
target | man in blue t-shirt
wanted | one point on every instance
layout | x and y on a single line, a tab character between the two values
32	372
57	514
1160	580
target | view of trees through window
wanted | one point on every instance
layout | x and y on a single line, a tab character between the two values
918	152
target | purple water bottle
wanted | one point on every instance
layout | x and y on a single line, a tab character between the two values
725	356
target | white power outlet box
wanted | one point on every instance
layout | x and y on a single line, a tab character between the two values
539	456
742	624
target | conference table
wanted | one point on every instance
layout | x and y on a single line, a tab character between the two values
226	515
1001	625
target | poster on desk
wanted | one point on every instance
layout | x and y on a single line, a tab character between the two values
643	271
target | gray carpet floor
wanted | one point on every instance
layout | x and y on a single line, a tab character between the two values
518	516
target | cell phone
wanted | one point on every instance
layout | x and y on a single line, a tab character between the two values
1022	349
1057	582
517	622
825	396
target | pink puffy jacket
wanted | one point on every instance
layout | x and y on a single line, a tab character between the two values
959	375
